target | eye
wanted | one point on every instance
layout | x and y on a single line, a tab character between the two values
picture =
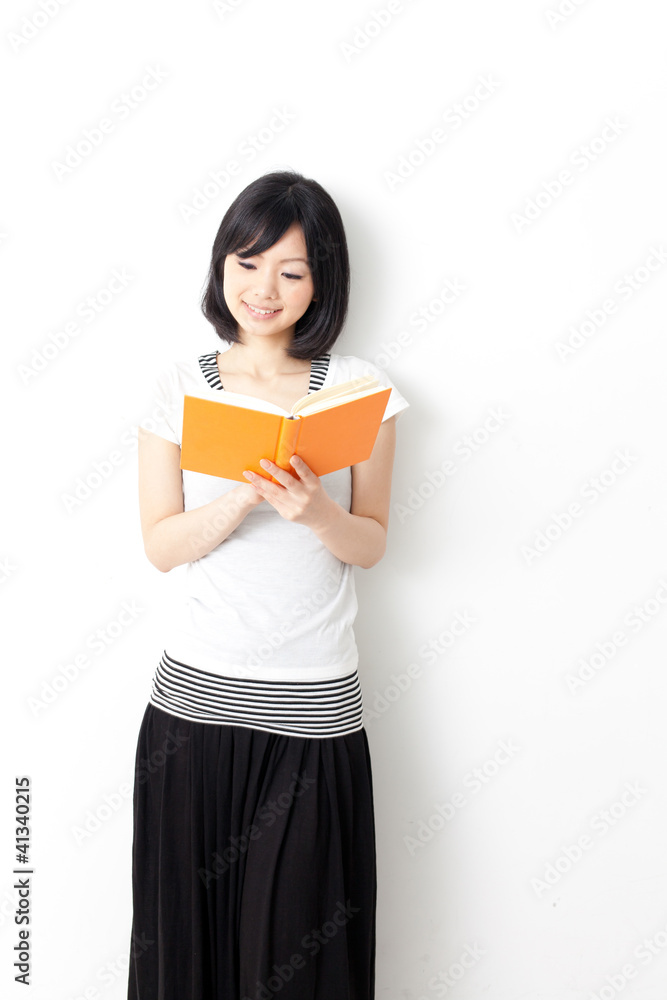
294	277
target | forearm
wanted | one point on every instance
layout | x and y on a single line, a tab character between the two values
358	540
182	538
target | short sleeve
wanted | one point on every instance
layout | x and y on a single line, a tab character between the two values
163	412
396	403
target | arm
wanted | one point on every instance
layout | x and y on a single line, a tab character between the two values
171	535
357	536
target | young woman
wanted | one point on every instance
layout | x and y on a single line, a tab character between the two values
254	870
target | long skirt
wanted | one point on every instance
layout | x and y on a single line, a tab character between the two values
253	864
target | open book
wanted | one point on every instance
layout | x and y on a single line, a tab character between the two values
329	429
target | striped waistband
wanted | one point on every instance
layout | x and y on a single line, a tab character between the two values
303	708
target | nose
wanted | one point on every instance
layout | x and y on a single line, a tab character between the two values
265	284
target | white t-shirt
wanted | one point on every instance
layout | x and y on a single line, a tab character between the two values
269	602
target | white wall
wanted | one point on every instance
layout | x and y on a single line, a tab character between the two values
484	868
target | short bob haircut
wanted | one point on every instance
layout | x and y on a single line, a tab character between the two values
263	212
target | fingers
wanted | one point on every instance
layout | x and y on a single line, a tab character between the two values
265	485
282	475
287	479
292	495
304	471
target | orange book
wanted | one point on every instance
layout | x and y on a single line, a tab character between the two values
329	429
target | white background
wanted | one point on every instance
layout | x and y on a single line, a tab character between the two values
490	876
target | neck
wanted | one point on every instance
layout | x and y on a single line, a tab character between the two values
263	358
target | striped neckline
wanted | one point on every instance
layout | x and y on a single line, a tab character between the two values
318	370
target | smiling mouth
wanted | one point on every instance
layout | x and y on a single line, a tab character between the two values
260	312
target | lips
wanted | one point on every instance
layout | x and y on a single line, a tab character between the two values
260	312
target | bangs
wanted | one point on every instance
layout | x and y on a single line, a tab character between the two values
260	230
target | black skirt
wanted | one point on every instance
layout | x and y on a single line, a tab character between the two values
253	864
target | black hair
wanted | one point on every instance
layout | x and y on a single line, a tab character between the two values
263	212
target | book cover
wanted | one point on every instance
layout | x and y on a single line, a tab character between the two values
222	438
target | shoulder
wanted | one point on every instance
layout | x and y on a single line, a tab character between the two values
347	366
182	375
350	366
169	382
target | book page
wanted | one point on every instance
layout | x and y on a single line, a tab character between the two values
251	402
327	404
311	402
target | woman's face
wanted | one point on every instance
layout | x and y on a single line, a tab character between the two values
279	280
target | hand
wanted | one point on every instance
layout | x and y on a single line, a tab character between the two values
302	500
249	494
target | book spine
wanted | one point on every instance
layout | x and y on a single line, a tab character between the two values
287	442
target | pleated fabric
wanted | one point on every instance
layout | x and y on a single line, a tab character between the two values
253	864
